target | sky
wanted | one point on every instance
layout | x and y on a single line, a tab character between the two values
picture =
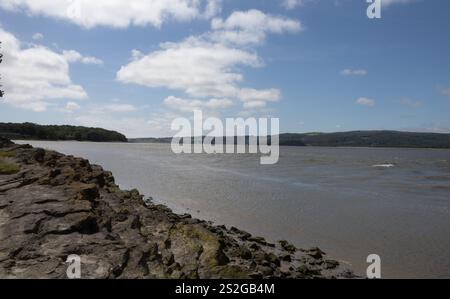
136	65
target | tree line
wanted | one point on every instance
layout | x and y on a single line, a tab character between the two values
347	139
30	131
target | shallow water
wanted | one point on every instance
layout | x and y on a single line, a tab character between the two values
350	202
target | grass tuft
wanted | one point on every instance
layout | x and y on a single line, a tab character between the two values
6	167
4	154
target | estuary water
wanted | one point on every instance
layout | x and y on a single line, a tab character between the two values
350	202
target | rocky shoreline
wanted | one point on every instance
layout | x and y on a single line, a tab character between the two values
57	205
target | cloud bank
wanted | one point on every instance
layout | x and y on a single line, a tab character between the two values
116	13
207	66
33	77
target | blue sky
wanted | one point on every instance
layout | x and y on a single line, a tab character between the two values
318	65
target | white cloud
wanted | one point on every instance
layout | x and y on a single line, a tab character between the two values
34	76
254	104
357	72
213	8
255	20
365	102
106	108
250	27
219	103
207	66
197	67
38	36
292	4
91	60
389	2
136	54
116	13
74	56
120	108
72	106
254	98
186	105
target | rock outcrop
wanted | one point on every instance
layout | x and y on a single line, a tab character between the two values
4	142
58	205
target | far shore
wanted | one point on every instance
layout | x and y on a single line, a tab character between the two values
23	141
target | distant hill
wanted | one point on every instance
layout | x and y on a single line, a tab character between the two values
353	139
30	131
369	139
150	140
